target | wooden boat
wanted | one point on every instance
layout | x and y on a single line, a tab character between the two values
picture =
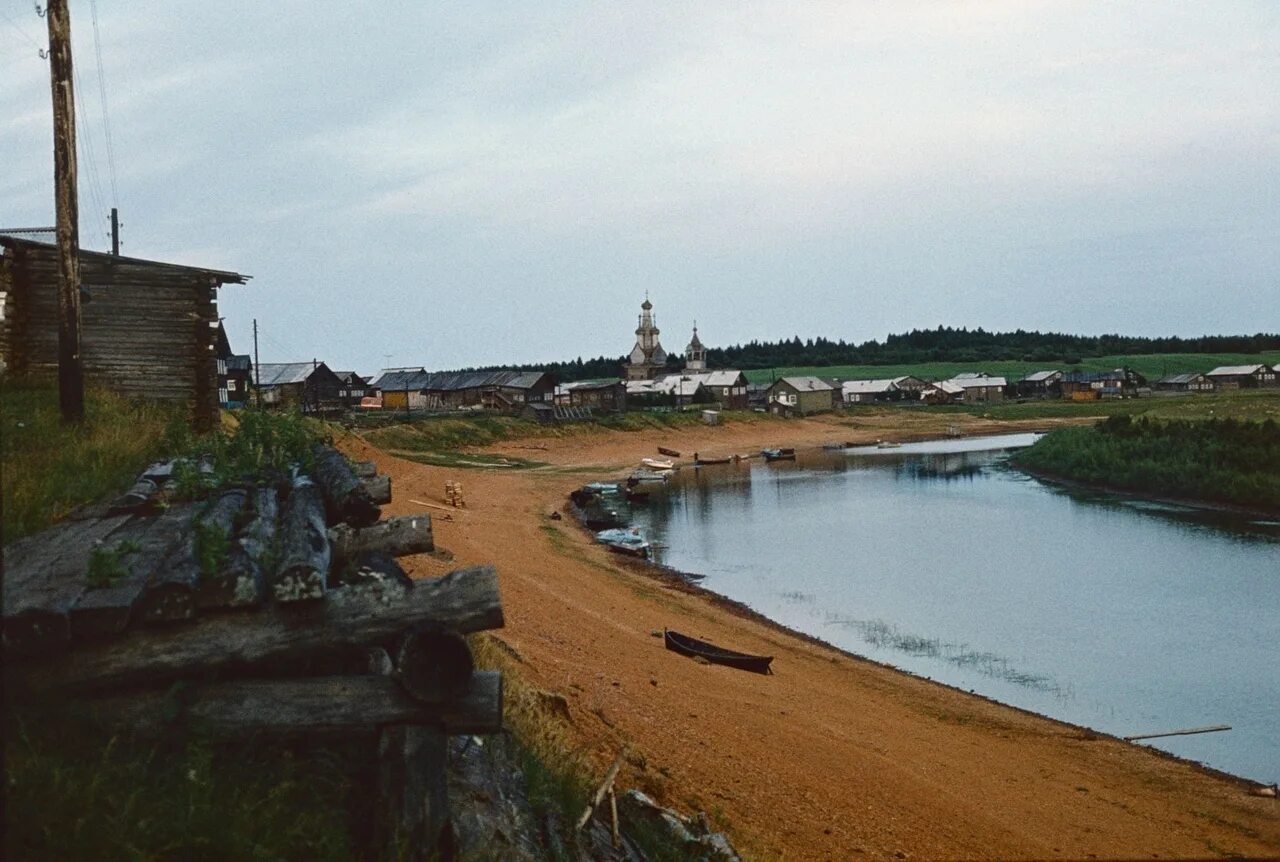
640	476
778	454
694	648
657	464
634	496
670	453
887	444
629	541
702	462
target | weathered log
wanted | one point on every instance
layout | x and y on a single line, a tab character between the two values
346	499
434	664
170	593
364	469
44	576
140	497
229	577
465	600
304	546
259	536
139	548
598	797
396	537
337	704
413	765
379	488
372	573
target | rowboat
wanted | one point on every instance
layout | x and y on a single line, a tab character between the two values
657	464
647	476
778	454
601	487
670	453
702	462
887	444
694	648
630	541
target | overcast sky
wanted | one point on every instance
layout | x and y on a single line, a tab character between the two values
473	183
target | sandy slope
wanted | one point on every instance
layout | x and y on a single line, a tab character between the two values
832	757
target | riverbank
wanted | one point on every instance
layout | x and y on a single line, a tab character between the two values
832	757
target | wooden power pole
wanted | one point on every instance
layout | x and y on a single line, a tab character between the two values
70	369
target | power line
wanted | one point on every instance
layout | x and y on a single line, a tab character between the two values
23	33
102	95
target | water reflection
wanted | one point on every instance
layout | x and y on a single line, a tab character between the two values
1102	610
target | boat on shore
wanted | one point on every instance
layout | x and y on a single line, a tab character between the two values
694	648
640	476
778	454
629	541
699	461
887	444
657	464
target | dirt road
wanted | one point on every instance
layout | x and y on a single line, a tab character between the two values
832	757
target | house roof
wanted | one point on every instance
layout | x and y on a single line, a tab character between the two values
978	382
589	384
806	384
969	375
1233	370
99	266
948	386
284	373
1040	376
869	387
1096	376
399	379
454	381
1189	377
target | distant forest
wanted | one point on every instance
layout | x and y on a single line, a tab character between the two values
943	344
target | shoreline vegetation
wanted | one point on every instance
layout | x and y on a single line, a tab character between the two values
1224	462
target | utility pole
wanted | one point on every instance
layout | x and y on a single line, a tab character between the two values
257	375
70	368
115	231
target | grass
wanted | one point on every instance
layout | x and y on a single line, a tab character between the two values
1216	460
1259	404
1152	365
50	468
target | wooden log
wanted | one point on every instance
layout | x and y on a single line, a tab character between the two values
140	547
346	499
413	767
44	576
305	554
396	537
288	707
372	573
1213	728
379	488
433	664
465	600
139	498
243	582
170	594
364	469
229	577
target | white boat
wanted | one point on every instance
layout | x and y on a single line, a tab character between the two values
657	464
887	444
625	541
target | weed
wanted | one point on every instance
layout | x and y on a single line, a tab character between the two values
212	544
106	565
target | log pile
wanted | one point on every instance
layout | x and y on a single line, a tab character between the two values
277	608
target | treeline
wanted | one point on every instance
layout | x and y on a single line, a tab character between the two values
1221	460
944	344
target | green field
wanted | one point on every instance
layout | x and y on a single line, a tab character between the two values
1151	365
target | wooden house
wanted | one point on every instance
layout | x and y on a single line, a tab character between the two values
1192	381
801	396
1040	384
489	390
148	329
606	395
1092	385
884	389
234	372
307	386
1242	376
942	392
980	389
354	389
401	388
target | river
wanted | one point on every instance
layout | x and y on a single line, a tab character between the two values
1116	614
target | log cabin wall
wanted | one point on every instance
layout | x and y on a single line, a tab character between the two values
147	328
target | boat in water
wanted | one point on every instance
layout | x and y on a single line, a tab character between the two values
625	541
694	648
640	476
887	444
657	464
778	454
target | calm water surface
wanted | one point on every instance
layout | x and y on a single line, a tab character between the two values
1124	616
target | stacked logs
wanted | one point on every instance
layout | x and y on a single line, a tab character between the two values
336	638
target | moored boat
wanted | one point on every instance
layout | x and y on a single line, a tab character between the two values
640	476
887	444
657	464
699	461
694	648
625	541
778	454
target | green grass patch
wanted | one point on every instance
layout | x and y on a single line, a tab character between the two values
1257	404
1216	460
1151	365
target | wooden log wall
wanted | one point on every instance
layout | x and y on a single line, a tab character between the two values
147	328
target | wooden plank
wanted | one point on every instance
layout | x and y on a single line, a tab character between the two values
372	573
465	600
327	704
40	591
106	611
413	764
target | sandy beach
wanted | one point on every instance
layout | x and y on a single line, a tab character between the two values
832	757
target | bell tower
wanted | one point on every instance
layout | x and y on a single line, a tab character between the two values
695	355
